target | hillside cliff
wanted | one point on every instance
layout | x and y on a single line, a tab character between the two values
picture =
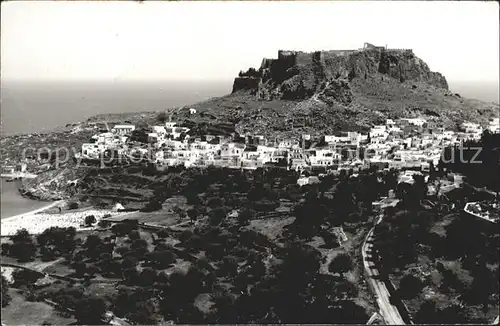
298	75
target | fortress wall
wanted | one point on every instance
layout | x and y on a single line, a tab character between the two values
303	58
287	58
335	53
401	50
266	63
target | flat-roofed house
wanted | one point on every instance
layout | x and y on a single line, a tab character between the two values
92	150
123	129
494	125
307	180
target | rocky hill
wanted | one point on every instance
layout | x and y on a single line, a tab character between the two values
299	75
327	91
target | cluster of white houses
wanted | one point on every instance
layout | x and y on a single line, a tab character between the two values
402	143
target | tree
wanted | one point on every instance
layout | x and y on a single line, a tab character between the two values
57	240
245	215
6	249
129	262
125	227
217	215
25	277
451	281
138	248
160	259
23	247
89	220
48	253
73	205
80	268
134	235
131	276
92	244
341	264
104	224
427	313
153	205
193	214
481	287
148	276
5	292
410	286
162	117
22	235
162	233
214	202
90	311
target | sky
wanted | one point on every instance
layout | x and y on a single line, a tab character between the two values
149	41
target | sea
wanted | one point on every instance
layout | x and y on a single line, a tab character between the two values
12	202
28	107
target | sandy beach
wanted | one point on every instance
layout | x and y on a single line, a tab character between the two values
37	220
35	211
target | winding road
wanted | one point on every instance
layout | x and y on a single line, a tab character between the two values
388	311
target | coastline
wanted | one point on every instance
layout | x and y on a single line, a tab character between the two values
35	211
37	221
14	203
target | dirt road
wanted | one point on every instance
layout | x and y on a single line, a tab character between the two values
388	311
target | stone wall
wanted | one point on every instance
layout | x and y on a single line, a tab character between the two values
287	58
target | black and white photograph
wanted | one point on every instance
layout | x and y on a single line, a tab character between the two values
250	162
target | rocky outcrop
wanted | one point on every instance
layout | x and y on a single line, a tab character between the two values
298	75
54	184
246	83
336	90
404	65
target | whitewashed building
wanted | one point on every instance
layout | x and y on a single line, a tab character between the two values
123	129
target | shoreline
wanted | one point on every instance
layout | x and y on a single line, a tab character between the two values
36	221
33	212
17	203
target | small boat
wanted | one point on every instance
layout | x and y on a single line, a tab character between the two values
10	180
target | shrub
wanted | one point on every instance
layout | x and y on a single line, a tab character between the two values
341	264
153	205
217	215
245	215
122	250
5	292
185	236
89	220
410	286
25	277
161	259
73	205
162	233
90	311
48	253
125	227
104	224
6	249
193	214
23	247
129	262
162	117
134	235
